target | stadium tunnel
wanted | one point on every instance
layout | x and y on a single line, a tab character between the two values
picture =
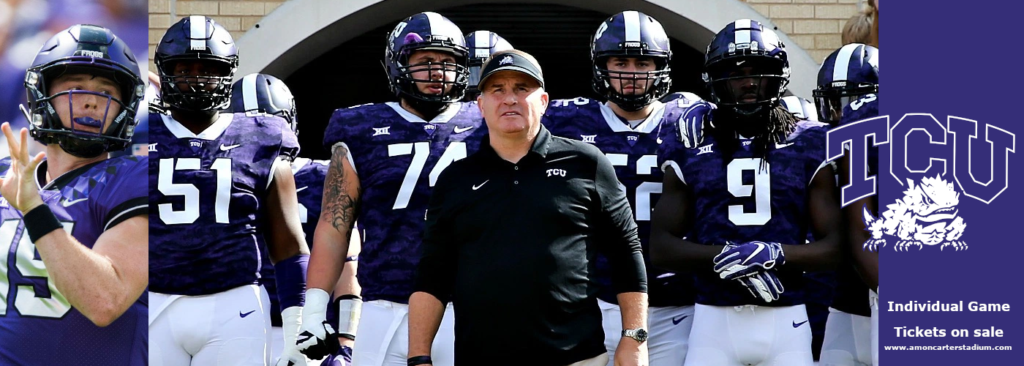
330	53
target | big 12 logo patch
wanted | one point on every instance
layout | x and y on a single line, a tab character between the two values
926	215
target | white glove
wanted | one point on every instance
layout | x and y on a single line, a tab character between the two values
290	323
317	338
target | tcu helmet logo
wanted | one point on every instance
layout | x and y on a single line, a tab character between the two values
507	60
926	214
558	172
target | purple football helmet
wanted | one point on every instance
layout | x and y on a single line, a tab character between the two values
264	94
846	74
196	38
482	44
431	32
631	34
90	50
746	67
801	108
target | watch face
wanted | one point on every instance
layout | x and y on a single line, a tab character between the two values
641	335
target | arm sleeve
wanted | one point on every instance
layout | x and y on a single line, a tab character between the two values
617	232
435	273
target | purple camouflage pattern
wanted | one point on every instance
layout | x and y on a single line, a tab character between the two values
206	241
784	211
398	157
633	153
37	324
851	294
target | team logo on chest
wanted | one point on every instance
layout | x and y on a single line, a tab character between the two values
632	139
556	172
588	138
430	129
705	149
379	131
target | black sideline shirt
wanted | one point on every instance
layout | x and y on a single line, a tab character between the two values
513	246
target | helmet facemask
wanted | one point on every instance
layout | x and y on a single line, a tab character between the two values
747	86
656	83
196	93
46	123
831	100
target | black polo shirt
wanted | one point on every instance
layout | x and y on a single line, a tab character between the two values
513	245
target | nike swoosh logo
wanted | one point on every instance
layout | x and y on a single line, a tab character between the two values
797	325
754	254
300	189
68	203
676	321
241	314
481	185
779	146
228	147
740	62
461	130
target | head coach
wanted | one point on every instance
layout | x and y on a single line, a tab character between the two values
511	236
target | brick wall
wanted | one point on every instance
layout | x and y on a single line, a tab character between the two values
815	25
236	16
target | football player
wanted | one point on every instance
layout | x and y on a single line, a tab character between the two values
256	94
630	57
384	159
216	177
744	184
482	44
74	263
818	286
848	92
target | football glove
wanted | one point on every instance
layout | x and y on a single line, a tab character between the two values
742	260
763	285
290	355
317	338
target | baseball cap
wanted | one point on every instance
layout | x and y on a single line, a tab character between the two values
512	61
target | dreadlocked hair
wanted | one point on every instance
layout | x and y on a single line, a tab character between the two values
781	124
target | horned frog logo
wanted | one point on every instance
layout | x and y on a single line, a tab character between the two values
926	215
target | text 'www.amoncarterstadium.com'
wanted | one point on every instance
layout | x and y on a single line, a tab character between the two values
948	348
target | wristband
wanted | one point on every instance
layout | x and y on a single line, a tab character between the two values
420	360
349	309
40	221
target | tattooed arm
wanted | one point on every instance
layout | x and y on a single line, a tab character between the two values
340	204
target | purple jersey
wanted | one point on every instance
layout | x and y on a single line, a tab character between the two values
309	186
37	323
207	196
633	153
741	202
398	157
851	294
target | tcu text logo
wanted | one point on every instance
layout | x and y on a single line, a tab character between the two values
558	172
926	214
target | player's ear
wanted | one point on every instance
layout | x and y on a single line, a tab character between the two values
480	98
544	98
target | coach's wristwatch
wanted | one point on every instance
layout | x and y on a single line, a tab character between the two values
639	334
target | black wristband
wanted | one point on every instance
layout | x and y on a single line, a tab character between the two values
347	336
40	221
420	360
